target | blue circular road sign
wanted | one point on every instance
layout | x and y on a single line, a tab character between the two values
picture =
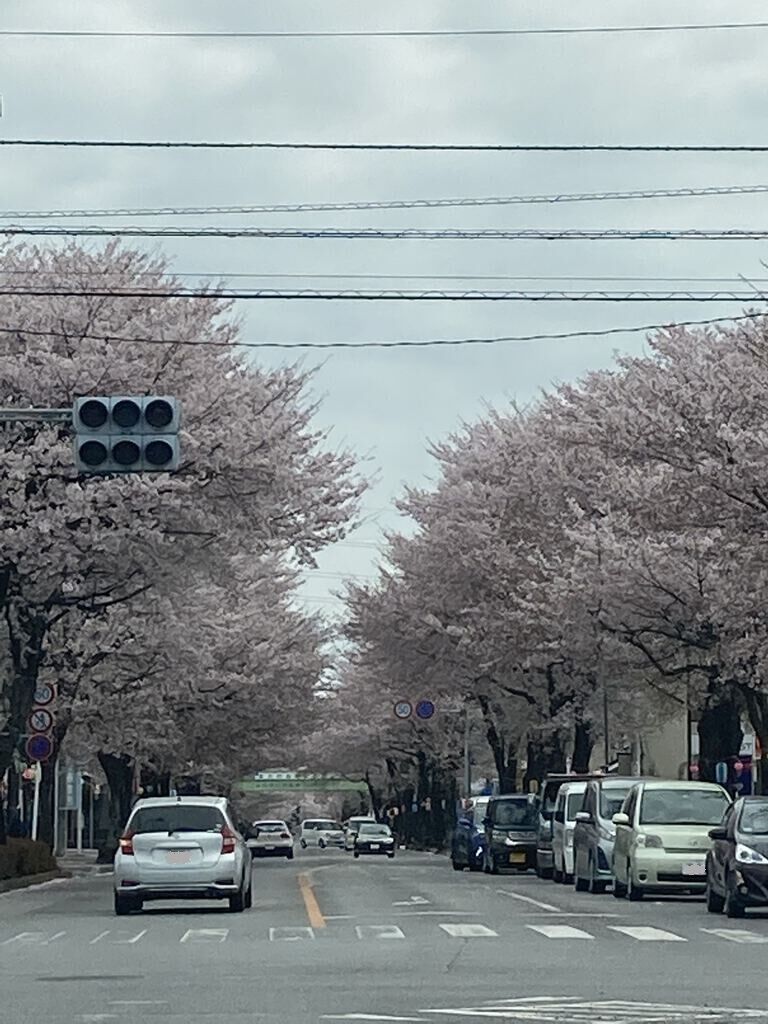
39	748
425	709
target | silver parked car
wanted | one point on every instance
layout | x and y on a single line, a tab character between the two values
182	848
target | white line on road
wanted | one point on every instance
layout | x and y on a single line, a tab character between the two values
533	913
469	931
645	934
99	937
559	931
205	935
412	901
290	934
528	899
736	935
368	1016
137	1002
137	937
437	913
53	938
379	931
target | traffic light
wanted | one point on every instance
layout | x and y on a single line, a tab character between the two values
126	434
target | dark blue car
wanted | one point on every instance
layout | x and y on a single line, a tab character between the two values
468	844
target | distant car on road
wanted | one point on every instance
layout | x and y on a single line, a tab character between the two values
662	837
737	864
321	832
510	833
468	842
374	839
547	800
270	839
351	827
569	800
185	848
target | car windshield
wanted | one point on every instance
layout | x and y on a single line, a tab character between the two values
514	814
177	818
327	826
611	800
374	830
754	819
574	803
269	826
682	807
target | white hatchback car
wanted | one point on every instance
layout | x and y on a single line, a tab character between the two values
270	839
570	798
321	832
182	848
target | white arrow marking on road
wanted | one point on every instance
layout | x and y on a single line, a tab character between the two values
205	935
643	934
559	931
736	935
468	931
528	899
379	931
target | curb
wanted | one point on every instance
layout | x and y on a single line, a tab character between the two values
12	884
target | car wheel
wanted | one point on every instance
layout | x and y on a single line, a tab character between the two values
322	844
391	856
634	892
237	902
357	854
289	854
595	885
475	865
715	902
545	873
580	884
248	902
619	888
557	875
303	844
567	879
733	906
456	866
494	866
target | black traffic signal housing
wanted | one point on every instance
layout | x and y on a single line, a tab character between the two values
126	434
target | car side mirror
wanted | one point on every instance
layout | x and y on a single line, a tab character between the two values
584	816
620	819
718	833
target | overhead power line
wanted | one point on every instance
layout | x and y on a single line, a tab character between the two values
444	234
416	147
566	30
443	295
77	335
389	204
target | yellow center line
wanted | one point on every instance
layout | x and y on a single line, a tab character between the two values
311	905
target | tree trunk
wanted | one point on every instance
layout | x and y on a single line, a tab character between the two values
26	637
503	756
118	769
45	824
546	754
720	732
583	742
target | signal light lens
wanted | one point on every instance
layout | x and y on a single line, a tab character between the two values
93	453
126	453
158	413
93	414
126	413
158	453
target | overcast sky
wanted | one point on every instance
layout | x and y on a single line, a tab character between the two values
656	88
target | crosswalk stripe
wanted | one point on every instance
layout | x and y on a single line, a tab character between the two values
205	935
647	934
379	931
469	931
736	935
290	934
559	931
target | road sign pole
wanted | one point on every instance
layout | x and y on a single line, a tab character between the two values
467	764
36	799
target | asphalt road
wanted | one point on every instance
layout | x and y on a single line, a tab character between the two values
331	938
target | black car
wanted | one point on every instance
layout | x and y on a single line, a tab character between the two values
373	839
510	833
468	840
737	864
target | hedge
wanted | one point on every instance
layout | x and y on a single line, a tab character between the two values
22	857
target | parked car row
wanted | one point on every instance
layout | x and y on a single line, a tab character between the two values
641	836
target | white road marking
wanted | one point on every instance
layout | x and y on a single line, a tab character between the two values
290	934
736	935
468	931
437	913
25	938
138	1002
205	935
99	937
607	1011
53	938
379	931
559	931
412	901
528	899
646	934
368	1016
533	913
137	938
339	917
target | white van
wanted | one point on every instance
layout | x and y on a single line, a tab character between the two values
570	797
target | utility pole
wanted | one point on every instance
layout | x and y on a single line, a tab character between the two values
606	737
467	762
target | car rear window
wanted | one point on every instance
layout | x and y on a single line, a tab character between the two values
514	814
269	826
324	826
177	818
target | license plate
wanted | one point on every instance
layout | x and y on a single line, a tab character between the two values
694	869
269	847
517	858
374	846
179	857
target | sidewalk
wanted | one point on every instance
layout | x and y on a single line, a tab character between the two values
81	863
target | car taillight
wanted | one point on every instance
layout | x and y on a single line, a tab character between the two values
285	835
126	844
227	840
